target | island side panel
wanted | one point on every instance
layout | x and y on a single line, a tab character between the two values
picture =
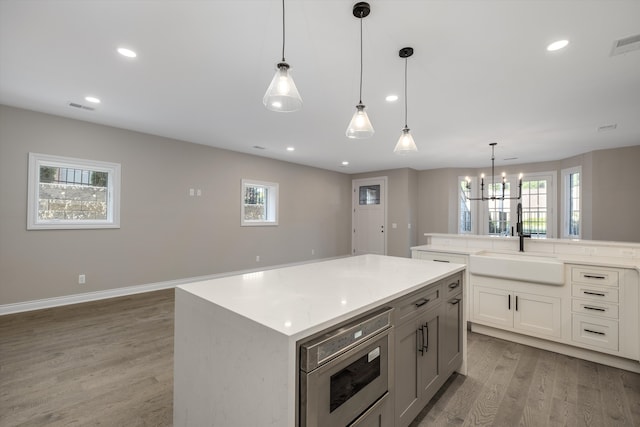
229	370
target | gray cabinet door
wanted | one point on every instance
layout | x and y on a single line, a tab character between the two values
451	335
416	364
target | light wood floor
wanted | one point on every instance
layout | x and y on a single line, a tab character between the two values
110	363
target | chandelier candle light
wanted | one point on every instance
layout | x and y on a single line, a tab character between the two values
282	94
405	144
504	182
360	126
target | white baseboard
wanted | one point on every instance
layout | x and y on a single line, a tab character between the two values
20	307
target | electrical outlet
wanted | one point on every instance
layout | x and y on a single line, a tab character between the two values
82	279
198	192
257	258
192	192
313	251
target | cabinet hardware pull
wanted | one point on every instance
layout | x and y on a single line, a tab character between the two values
454	301
594	332
441	260
516	302
594	276
454	285
599	294
418	341
509	305
421	302
586	307
426	347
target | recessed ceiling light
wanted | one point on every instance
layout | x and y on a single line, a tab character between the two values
557	45
92	99
345	163
127	52
291	149
391	98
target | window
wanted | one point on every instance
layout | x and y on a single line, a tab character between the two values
499	217
534	206
571	202
369	195
67	193
259	204
499	211
465	223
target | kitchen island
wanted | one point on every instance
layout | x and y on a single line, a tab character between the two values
236	338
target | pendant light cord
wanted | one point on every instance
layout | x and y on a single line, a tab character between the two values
361	57
405	92
283	38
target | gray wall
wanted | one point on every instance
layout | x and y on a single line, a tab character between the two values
164	234
616	194
610	194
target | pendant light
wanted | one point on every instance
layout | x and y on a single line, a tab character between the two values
405	143
282	94
360	126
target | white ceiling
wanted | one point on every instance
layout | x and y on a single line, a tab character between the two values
480	73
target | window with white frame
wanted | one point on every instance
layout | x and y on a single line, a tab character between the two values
535	208
498	217
259	205
499	211
465	222
571	202
68	193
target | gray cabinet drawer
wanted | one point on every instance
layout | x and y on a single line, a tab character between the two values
417	303
452	286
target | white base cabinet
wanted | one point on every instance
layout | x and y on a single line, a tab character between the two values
538	315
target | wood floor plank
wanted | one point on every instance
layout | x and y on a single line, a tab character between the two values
537	407
631	384
615	409
485	408
513	403
589	408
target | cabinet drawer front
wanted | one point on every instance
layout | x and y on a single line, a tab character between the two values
440	257
418	303
452	286
595	308
595	293
596	276
602	333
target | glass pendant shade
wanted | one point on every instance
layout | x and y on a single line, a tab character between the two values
282	94
360	126
405	143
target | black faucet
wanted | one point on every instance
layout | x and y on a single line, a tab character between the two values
520	228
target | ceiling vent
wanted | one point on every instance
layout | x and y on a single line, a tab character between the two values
625	45
80	106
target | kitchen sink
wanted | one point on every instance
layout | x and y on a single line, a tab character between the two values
545	269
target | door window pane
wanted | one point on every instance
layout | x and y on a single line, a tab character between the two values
369	195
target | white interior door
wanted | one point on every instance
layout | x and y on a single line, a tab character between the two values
369	216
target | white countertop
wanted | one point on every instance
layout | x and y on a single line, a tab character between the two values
300	300
592	260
